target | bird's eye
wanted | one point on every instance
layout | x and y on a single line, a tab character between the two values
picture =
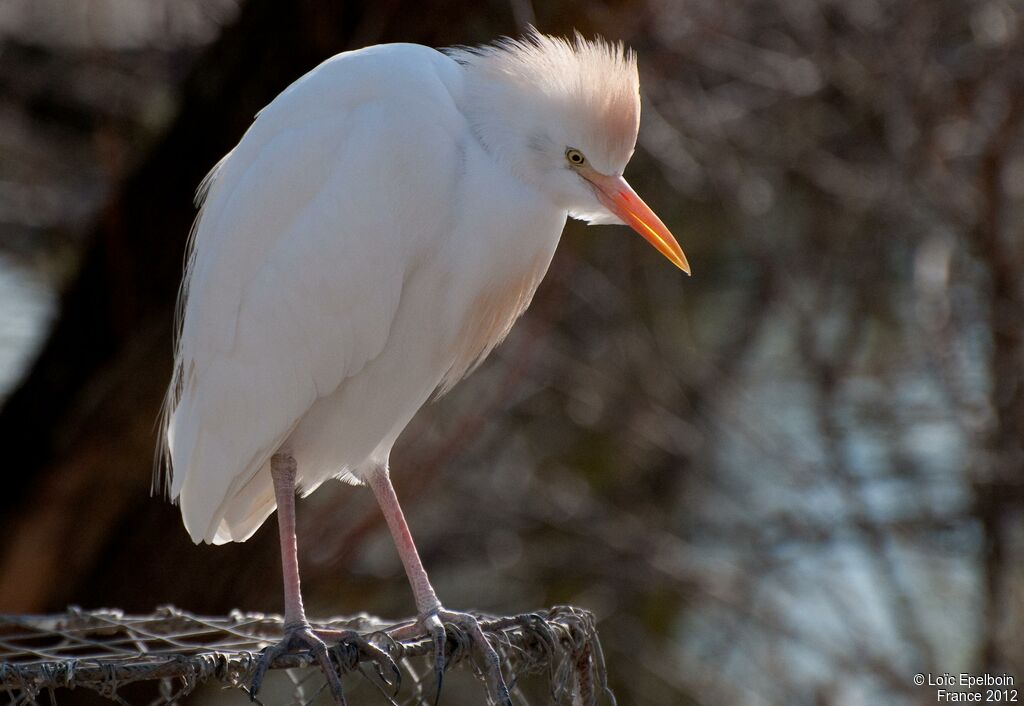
575	157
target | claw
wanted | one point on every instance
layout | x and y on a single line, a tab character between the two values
267	656
380	658
434	623
299	637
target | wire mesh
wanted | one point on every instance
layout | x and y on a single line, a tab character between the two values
106	651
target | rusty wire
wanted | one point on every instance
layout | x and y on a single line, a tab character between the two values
105	650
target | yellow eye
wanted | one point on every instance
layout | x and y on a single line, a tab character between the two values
575	157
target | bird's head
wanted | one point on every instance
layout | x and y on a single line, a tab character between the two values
564	115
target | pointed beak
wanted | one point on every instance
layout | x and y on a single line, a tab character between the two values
619	198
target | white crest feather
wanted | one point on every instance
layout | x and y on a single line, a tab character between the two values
590	83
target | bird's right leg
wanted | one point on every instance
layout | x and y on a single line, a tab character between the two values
297	632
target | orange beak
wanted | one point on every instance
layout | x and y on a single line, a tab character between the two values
619	198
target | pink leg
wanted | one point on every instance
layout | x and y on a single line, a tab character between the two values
282	470
423	592
431	613
297	632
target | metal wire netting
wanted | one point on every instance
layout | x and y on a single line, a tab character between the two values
106	651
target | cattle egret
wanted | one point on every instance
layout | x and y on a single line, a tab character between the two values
374	234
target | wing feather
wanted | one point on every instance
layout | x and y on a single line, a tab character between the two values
300	254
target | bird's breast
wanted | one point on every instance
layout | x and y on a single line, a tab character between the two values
491	312
500	247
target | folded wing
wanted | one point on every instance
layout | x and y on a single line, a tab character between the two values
308	232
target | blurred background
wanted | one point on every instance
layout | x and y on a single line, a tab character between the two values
794	478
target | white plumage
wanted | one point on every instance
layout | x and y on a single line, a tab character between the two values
370	239
332	275
373	235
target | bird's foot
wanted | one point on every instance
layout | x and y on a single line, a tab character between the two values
467	633
299	637
357	649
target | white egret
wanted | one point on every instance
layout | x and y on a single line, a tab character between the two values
374	234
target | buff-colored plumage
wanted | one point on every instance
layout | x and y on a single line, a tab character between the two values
371	238
591	85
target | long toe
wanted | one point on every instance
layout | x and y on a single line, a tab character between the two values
267	657
480	646
348	641
433	625
298	639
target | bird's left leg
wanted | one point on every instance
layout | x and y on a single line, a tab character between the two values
297	632
432	614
